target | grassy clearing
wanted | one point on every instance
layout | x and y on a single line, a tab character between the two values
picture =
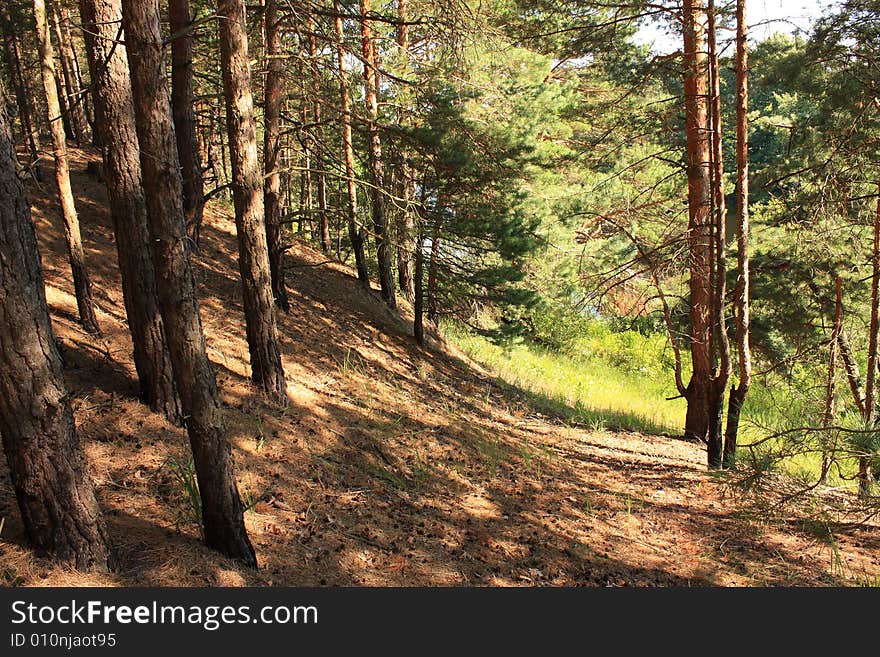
584	390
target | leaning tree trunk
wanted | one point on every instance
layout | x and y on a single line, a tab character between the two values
377	167
419	292
739	392
865	475
355	233
115	127
272	151
222	513
81	284
247	187
182	101
75	102
46	461
699	240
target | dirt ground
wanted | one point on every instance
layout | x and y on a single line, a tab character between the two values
391	465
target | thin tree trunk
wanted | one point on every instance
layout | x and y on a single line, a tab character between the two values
82	285
355	233
317	110
185	126
852	372
865	474
117	133
222	513
247	192
46	462
433	271
742	295
715	438
272	151
23	98
419	292
404	186
74	98
699	390
377	166
828	415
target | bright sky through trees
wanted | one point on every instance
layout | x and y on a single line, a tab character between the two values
765	16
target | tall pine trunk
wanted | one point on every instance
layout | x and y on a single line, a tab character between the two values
403	182
741	301
46	462
247	192
23	99
182	101
699	238
75	98
272	152
377	166
317	110
355	233
117	133
81	283
222	513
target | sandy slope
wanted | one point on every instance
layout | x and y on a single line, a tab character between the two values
391	465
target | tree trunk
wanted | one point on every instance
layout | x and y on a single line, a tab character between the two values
828	415
82	285
23	99
377	166
742	303
46	462
433	271
721	340
247	192
182	100
852	372
222	513
699	238
271	152
865	474
404	185
419	293
75	96
320	176
116	131
355	233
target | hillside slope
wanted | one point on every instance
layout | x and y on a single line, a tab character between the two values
392	465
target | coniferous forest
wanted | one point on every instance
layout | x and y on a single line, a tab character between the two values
439	293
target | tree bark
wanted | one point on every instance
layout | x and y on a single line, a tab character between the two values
222	513
419	292
272	151
699	240
828	415
433	271
377	166
355	233
182	101
117	133
46	462
81	283
247	192
743	286
865	475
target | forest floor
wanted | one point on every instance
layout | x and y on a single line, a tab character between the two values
392	464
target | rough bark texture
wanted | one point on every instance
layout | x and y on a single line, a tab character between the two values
355	233
742	294
699	239
434	272
377	166
182	100
865	473
117	133
81	284
46	462
247	192
419	293
272	151
222	513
